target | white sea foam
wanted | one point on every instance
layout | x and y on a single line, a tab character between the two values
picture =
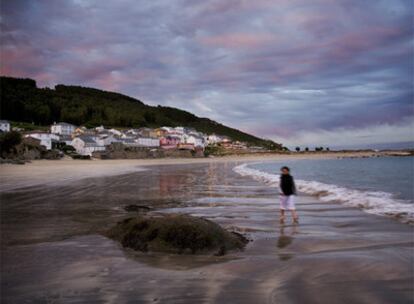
375	202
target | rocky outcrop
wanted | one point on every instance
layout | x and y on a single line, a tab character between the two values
175	233
29	149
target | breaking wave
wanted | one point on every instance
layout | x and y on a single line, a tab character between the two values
374	202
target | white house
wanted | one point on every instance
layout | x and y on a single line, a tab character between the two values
115	132
62	128
46	139
197	141
132	132
215	139
130	142
105	139
100	128
178	130
4	126
86	145
148	141
167	129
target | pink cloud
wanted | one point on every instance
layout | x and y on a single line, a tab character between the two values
237	40
351	44
19	61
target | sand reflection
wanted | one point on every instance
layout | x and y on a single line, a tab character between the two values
285	239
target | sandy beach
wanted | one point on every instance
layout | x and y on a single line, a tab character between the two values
53	249
57	171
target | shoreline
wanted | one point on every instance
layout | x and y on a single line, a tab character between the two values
50	172
53	243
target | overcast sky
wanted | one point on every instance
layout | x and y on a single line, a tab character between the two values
301	72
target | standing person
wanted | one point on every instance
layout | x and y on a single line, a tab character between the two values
288	190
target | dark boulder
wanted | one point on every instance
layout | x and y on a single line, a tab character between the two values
175	233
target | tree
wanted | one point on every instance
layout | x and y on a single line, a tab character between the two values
9	140
149	117
297	149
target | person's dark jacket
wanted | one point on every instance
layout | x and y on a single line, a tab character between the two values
287	184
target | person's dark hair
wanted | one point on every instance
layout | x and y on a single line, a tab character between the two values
285	168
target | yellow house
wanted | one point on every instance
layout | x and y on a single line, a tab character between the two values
160	132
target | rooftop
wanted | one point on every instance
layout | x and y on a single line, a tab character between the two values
63	124
87	139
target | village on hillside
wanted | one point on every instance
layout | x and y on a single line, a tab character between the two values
101	142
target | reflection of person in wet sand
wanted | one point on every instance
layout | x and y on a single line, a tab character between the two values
284	239
288	190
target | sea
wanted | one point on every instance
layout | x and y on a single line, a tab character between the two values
378	185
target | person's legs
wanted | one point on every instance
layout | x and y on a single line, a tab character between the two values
290	203
295	216
282	216
283	206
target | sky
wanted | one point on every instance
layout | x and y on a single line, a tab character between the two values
332	73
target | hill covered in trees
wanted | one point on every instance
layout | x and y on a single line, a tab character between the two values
23	101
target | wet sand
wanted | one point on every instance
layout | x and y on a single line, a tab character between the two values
53	251
53	172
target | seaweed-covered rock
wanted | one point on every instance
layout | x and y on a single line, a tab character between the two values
175	234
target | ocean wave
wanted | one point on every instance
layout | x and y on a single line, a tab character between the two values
374	202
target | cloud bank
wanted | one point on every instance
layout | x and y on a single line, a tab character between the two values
294	71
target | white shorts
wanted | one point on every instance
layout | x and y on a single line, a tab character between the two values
287	202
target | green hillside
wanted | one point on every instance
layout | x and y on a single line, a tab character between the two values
23	101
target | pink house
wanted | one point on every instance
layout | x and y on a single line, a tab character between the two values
169	141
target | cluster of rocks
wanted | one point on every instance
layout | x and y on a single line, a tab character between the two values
28	149
120	151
